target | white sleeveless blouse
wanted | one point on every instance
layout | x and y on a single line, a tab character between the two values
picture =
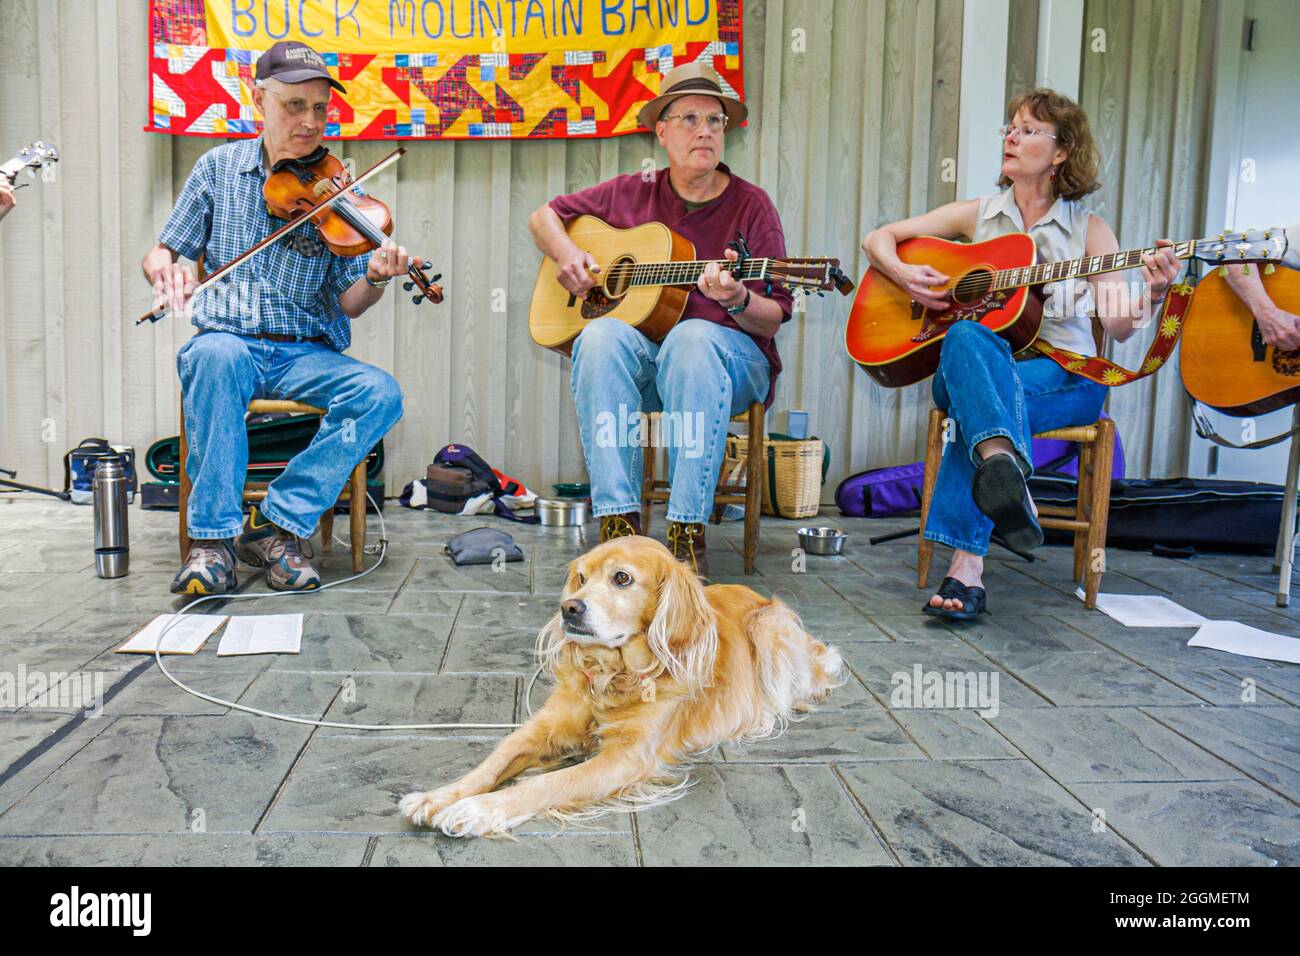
1060	234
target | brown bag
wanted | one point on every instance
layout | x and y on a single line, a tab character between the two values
450	486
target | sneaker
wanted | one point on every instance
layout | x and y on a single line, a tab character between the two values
286	568
265	545
253	545
619	526
209	568
686	542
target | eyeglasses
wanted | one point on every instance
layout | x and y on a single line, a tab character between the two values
296	106
717	121
1026	132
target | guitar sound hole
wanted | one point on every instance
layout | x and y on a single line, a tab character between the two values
618	277
972	287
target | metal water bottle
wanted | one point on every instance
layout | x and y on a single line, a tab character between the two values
112	550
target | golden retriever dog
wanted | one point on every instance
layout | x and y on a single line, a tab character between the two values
650	668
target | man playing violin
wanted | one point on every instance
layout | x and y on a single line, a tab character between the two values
720	358
277	329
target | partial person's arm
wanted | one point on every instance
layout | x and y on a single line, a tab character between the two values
956	220
1277	327
7	199
1120	312
573	265
389	261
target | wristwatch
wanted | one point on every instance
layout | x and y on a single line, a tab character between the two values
380	284
735	310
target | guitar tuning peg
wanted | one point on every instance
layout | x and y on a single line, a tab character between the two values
1223	272
1245	270
1270	269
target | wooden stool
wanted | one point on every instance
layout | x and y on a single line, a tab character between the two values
1087	520
354	492
749	495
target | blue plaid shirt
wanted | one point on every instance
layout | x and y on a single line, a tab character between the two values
291	287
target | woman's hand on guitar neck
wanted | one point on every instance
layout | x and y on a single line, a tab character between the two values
916	281
574	272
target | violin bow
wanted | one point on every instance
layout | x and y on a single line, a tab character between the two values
162	312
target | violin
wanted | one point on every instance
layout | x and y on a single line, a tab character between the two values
353	225
317	188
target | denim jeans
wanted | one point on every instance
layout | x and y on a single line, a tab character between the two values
988	393
221	372
699	377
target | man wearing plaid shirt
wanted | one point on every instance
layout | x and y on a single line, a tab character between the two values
276	328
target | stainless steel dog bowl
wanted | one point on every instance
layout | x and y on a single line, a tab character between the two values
822	540
563	512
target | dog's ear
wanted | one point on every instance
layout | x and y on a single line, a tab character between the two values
684	631
550	644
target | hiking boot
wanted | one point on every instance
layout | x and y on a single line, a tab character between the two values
265	545
686	542
619	526
209	568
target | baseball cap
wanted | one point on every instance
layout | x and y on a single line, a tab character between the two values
292	62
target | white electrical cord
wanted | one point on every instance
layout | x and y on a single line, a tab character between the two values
383	551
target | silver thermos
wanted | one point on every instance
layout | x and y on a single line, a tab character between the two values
112	549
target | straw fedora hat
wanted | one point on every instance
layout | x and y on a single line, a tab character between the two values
696	78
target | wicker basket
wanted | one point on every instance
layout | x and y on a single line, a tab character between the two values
792	488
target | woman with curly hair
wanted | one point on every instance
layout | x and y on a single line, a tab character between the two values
998	400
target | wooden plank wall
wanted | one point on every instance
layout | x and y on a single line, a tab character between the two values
854	112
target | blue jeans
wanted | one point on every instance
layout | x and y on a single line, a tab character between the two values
221	372
987	393
699	377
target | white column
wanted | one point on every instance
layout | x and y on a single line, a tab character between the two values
1060	46
983	95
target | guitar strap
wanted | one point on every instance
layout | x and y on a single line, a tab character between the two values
1169	325
1205	428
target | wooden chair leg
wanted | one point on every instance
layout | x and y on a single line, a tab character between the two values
183	496
933	455
1103	459
755	465
357	516
1083	506
647	486
327	529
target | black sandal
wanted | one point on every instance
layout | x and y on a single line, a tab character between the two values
972	601
1001	493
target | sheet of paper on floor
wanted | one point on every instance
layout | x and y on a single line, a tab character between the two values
1237	638
186	637
1145	610
262	634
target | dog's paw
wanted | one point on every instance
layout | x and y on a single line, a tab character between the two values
476	816
420	808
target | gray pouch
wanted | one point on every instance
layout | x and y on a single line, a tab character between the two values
482	546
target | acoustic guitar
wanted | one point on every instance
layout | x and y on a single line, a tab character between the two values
1225	362
646	274
896	340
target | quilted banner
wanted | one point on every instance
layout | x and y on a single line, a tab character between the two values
438	69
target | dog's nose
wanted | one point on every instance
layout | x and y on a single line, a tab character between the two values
572	608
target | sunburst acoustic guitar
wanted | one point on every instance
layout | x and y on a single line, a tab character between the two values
1225	362
646	274
996	283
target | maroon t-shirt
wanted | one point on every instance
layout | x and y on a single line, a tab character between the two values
630	200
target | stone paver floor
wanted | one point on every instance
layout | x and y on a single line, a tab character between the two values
1103	745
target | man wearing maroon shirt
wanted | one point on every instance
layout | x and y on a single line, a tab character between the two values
718	360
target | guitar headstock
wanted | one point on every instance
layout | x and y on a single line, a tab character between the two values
1246	245
32	158
815	273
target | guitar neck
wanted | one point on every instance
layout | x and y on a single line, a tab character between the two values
1084	266
684	272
